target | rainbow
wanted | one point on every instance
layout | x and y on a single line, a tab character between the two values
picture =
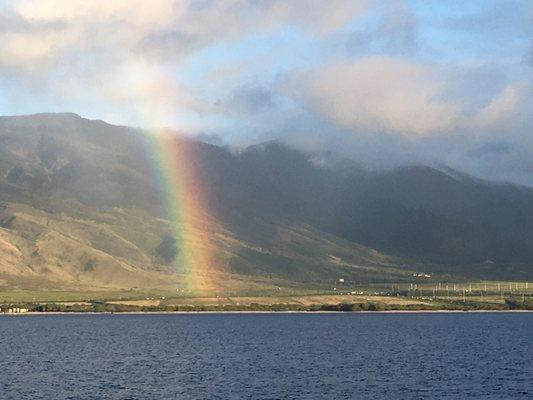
182	196
181	190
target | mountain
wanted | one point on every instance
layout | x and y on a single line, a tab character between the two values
80	208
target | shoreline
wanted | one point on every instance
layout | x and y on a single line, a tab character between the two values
34	313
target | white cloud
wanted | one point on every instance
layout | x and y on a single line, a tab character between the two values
378	94
138	12
134	51
502	107
166	28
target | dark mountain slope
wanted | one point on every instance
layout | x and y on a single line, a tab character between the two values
420	213
437	216
81	208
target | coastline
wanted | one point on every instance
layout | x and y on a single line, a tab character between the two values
301	304
34	313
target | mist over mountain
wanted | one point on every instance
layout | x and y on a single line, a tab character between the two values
80	208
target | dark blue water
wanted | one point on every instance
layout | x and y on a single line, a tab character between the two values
281	356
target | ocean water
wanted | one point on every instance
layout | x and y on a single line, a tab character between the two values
267	356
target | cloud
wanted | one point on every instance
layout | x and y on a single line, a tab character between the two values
26	45
502	107
399	27
378	94
167	29
386	111
136	51
500	20
382	82
250	99
315	15
395	31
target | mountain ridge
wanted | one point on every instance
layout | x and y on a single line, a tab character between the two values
80	208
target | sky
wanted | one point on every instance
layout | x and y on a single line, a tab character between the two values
385	83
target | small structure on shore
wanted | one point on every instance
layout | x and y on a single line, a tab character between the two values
13	310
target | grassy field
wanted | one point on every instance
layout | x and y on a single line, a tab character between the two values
299	300
402	296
